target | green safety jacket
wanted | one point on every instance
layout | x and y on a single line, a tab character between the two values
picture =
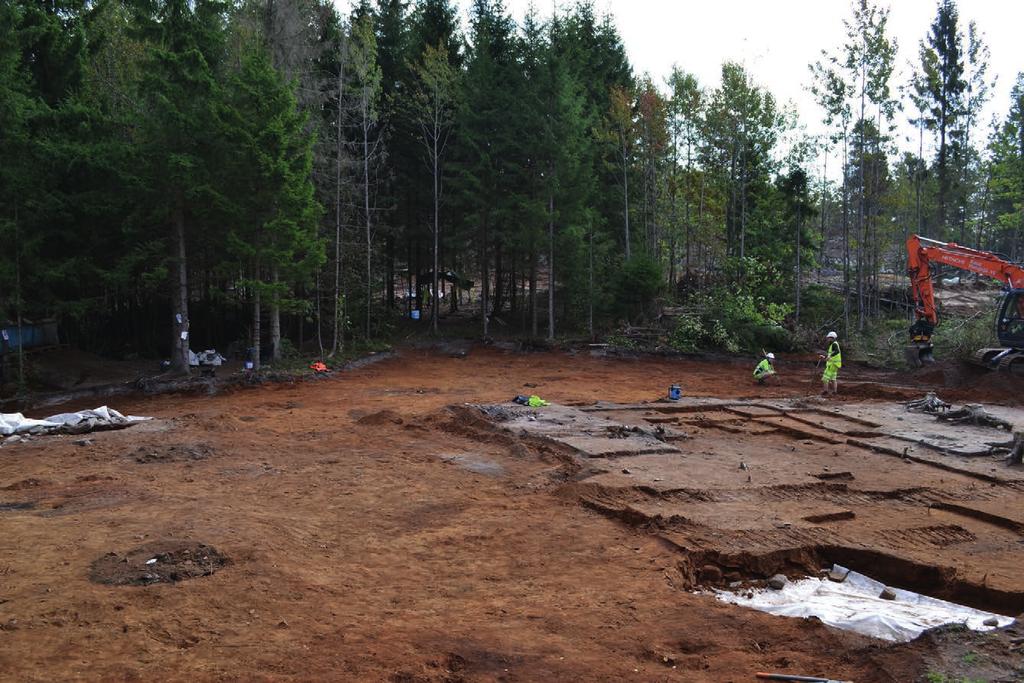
834	357
763	368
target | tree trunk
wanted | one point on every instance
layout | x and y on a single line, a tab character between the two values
390	293
437	230
625	195
551	265
861	228
485	279
366	208
590	287
275	321
533	289
799	270
919	173
338	342
17	298
256	331
498	296
846	234
179	298
317	312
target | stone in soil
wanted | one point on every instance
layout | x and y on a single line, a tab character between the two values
175	561
838	575
709	573
172	453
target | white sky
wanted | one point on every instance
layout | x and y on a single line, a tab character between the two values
776	40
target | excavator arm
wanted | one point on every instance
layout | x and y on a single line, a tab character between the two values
921	253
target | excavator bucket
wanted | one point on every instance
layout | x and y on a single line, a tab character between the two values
918	355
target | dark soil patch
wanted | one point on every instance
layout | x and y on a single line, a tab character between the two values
830	517
380	418
953	653
835	476
174	453
14	507
175	561
31	483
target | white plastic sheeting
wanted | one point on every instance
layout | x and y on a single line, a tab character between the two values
73	423
855	605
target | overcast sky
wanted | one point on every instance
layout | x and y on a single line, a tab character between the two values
777	40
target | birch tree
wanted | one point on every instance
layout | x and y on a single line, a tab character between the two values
365	91
434	110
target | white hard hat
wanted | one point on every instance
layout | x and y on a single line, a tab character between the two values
831	335
770	356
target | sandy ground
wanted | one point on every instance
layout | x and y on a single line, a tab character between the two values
374	533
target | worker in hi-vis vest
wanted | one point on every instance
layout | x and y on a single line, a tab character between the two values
766	369
833	361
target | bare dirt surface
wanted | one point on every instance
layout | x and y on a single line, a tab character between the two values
380	526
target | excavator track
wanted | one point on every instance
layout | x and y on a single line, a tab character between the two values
999	360
983	357
1013	363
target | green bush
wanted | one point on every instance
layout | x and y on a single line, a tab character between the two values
637	284
959	337
732	322
820	306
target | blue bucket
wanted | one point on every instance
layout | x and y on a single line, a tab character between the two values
675	393
414	314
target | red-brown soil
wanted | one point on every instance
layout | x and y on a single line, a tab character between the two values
372	533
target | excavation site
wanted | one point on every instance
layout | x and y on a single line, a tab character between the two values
409	520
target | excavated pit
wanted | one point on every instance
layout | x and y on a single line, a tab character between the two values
157	562
769	498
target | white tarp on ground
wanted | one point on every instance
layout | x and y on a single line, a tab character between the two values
855	605
69	423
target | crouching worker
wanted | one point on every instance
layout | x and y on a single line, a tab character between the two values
765	370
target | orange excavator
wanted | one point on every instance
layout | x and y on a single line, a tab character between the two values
921	253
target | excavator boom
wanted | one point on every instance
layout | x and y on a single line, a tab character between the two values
921	253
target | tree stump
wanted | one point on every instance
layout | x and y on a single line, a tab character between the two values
929	404
1017	450
975	414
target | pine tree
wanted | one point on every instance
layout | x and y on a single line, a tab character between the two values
273	210
177	166
940	85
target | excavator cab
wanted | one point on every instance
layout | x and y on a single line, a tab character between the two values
1010	322
1009	356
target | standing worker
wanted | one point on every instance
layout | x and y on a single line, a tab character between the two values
765	369
833	361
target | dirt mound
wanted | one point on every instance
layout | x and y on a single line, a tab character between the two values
380	418
172	453
157	562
